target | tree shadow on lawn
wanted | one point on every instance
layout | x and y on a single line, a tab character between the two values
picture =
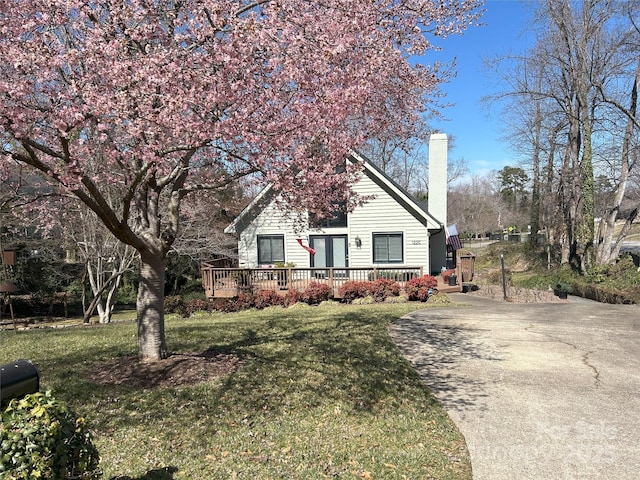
439	352
286	358
166	473
349	358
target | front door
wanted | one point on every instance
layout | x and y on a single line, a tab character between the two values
331	251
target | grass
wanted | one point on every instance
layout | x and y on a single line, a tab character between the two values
322	393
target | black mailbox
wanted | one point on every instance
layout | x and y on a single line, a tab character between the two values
17	379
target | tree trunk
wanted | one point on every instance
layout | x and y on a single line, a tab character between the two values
150	307
569	191
585	227
535	193
551	209
608	249
86	317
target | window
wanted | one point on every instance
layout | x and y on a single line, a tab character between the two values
270	249
339	218
387	248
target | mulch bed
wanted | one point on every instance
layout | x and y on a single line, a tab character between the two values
178	369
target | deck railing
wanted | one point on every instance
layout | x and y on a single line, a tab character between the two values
229	282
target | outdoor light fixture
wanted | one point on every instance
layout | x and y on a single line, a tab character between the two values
358	242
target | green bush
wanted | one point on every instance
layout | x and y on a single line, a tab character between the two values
624	273
368	300
41	438
398	299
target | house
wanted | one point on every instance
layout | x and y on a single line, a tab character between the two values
392	232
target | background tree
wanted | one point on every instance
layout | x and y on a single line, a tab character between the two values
563	90
105	259
477	208
513	183
41	269
161	99
608	244
405	160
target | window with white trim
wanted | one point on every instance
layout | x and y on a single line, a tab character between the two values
270	249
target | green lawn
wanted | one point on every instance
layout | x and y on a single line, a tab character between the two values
322	392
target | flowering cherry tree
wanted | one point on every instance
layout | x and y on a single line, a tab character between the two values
158	99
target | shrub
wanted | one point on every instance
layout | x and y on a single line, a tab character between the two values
227	305
268	298
292	297
625	272
195	305
174	304
419	288
597	274
353	289
398	299
41	438
383	288
316	293
243	301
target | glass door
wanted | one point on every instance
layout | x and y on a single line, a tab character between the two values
331	251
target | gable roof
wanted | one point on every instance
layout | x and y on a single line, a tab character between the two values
398	193
374	173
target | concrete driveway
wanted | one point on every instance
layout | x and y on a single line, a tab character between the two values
540	391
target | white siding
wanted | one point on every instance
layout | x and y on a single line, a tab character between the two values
382	214
270	221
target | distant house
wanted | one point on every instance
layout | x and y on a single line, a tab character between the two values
392	229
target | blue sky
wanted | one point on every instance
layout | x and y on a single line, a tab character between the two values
477	128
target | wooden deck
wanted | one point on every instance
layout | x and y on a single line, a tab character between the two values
230	282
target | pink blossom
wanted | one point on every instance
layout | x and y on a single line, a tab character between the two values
150	102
